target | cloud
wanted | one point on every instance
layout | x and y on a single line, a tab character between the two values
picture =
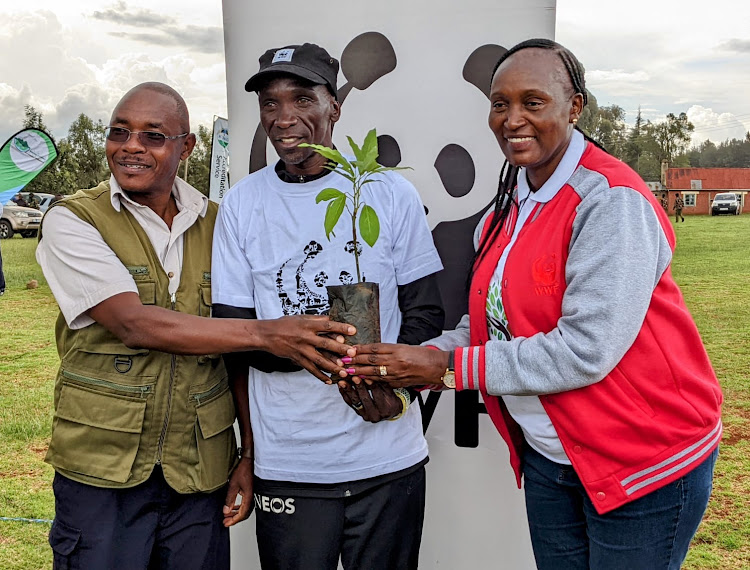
119	14
12	103
616	75
162	30
208	40
62	85
736	45
715	126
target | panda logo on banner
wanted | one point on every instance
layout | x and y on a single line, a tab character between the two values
365	59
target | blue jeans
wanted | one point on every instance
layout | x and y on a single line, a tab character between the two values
652	532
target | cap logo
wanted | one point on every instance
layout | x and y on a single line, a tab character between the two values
283	55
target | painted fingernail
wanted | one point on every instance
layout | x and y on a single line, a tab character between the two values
346	359
351	370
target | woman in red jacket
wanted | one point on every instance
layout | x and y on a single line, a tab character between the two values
577	336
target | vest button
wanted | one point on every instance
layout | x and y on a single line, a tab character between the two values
505	283
479	291
170	274
481	342
577	449
601	496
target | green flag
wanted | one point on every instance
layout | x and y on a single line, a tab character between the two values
22	157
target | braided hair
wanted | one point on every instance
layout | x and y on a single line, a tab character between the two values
509	173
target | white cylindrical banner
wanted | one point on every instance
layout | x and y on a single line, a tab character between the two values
419	73
218	176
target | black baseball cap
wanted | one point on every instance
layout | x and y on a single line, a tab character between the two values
308	61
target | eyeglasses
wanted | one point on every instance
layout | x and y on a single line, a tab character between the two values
147	138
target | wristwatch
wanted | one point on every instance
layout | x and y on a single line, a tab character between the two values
449	377
245	453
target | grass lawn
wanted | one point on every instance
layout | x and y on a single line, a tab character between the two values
712	265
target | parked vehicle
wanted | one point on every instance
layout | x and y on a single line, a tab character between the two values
727	203
26	221
44	200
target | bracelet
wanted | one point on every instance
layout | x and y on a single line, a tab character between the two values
245	453
405	397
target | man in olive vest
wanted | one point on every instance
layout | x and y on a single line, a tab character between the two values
142	438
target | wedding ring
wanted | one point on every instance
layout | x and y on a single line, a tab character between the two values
382	370
357	405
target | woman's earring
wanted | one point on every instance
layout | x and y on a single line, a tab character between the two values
575	120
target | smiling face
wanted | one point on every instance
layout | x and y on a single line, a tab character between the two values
293	111
144	171
532	111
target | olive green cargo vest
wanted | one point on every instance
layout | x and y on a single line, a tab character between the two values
119	411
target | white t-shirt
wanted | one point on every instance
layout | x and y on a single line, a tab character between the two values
528	410
82	270
270	252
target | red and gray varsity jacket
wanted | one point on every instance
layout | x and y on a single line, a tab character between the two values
653	417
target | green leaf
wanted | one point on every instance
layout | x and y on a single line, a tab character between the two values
370	152
355	149
369	225
331	154
350	177
387	168
333	213
328	194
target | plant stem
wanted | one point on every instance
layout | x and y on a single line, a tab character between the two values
354	231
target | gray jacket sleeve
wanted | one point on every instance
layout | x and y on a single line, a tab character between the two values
617	254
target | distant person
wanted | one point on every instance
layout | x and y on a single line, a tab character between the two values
142	438
56	198
19	201
679	204
664	202
33	201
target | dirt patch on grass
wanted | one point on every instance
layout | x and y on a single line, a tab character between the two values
738	430
16	473
40	450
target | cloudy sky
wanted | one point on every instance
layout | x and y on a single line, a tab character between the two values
66	57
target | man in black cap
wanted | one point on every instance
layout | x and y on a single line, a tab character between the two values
327	485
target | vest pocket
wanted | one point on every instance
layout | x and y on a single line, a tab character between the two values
214	437
146	291
204	309
97	433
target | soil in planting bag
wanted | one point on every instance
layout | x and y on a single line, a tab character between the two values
357	304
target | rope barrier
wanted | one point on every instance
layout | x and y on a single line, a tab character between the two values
19	519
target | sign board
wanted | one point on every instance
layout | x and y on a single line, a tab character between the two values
218	177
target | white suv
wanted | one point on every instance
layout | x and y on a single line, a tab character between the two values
727	203
19	219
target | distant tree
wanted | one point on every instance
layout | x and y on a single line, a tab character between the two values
81	161
588	118
51	179
734	153
634	145
608	128
34	119
199	163
86	152
672	136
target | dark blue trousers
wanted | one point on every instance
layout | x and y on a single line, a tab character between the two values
652	532
147	527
